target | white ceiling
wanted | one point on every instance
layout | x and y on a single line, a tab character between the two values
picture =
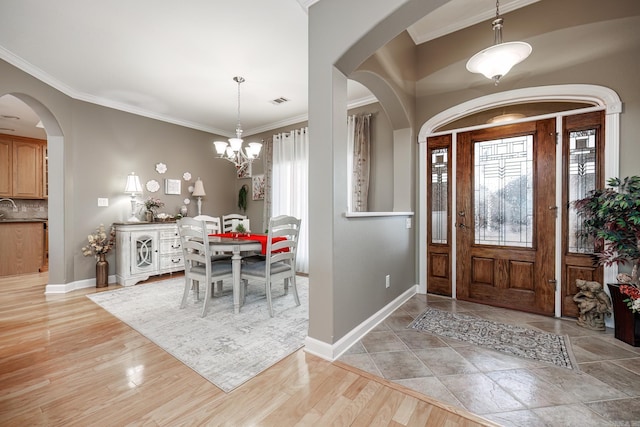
175	61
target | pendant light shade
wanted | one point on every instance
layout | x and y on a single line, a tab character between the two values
495	62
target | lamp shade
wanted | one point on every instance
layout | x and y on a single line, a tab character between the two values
198	189
494	62
133	185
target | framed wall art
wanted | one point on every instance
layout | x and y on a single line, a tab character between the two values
244	171
258	187
172	186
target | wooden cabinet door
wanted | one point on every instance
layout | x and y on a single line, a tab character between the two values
6	169
27	171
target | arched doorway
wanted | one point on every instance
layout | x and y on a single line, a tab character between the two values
599	97
55	143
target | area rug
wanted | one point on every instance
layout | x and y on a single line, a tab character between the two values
225	348
510	339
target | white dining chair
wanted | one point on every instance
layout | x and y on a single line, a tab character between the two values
199	267
227	222
280	258
213	223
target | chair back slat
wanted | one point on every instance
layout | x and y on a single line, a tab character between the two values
214	225
227	221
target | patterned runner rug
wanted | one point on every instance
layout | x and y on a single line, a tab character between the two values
510	339
225	348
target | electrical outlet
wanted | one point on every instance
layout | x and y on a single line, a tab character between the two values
408	223
387	281
103	201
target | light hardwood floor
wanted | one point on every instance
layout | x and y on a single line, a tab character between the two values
66	361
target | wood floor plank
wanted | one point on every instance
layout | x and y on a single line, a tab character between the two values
64	361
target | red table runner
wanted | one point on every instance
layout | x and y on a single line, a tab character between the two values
262	238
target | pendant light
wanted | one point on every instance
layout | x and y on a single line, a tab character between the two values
495	62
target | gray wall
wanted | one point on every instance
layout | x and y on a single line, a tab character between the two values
576	42
101	147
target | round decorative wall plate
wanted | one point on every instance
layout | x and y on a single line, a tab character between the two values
153	185
186	201
161	168
190	189
186	176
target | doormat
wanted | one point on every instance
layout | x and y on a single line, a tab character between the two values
510	339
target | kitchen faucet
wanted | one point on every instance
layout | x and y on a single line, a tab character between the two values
10	200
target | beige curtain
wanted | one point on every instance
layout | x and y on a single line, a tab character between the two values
358	168
267	163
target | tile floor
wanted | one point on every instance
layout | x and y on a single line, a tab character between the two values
507	390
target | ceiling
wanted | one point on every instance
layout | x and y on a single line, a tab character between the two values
175	63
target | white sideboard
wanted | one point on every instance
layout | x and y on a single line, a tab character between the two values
146	249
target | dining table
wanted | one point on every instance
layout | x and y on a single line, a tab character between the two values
237	245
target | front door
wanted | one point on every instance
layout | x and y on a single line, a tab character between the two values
505	216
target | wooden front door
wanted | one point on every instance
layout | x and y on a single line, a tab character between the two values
505	216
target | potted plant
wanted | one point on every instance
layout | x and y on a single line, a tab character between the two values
100	244
240	230
150	205
611	217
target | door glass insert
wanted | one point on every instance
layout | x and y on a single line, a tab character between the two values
439	195
144	252
582	179
503	192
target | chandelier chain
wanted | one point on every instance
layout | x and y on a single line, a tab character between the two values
497	8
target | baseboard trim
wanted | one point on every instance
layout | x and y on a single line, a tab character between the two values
51	289
332	352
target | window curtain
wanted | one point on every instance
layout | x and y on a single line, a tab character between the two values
358	162
290	185
267	167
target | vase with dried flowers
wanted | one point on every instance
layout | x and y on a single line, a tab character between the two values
100	244
150	205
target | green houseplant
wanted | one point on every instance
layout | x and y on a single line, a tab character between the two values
611	216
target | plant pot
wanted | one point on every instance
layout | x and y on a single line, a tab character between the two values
626	322
102	272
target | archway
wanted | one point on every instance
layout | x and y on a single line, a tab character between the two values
601	97
55	142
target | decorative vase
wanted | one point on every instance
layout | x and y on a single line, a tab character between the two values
148	216
102	272
626	322
183	210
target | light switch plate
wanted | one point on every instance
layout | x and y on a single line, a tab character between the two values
408	224
103	201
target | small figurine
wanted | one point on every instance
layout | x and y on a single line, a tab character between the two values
593	304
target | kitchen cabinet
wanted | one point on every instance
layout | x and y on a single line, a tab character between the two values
22	174
21	247
146	249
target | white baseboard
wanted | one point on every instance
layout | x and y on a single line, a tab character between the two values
74	286
332	352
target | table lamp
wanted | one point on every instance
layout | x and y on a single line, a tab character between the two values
198	191
133	187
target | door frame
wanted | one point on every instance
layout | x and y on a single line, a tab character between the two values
601	97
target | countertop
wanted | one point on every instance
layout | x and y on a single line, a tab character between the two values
21	220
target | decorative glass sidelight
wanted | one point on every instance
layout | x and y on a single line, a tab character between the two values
503	192
439	195
582	179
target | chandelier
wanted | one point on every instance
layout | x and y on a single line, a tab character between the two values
233	150
496	61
